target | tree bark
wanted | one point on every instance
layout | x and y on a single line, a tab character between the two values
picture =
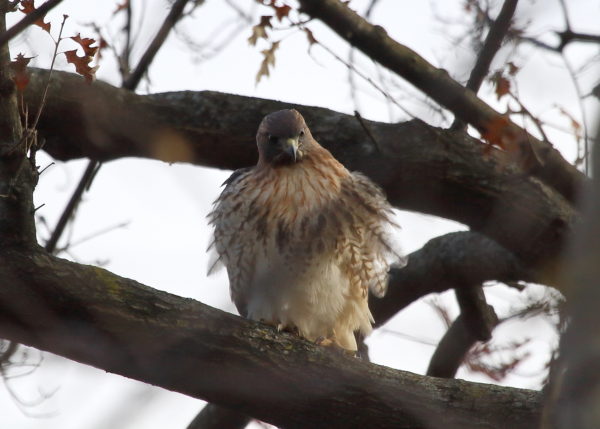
93	316
459	260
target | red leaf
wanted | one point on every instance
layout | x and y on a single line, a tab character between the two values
499	133
27	7
82	65
282	11
20	73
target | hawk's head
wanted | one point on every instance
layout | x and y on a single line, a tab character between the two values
283	138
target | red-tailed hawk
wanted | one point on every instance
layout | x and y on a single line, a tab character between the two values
303	239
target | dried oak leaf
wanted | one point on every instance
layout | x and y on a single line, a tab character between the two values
259	31
501	83
27	7
82	65
280	11
20	73
85	44
268	61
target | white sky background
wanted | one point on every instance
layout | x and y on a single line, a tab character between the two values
165	206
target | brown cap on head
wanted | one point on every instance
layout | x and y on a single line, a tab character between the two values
282	138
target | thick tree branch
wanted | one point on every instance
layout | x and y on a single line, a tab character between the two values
533	155
459	261
421	168
216	417
90	315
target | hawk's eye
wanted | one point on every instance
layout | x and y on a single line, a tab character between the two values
273	139
301	133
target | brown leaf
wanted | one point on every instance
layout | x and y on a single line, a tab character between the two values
282	11
20	73
501	83
121	7
499	133
259	31
82	65
85	44
267	62
27	6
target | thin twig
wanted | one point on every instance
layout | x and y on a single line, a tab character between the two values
580	97
134	78
490	48
565	14
367	131
70	207
29	19
55	53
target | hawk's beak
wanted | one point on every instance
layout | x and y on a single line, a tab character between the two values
290	147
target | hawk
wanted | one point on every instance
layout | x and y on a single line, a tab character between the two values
302	238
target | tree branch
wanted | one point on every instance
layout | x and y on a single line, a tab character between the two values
459	261
421	168
574	391
475	323
130	84
168	24
28	20
533	155
216	417
17	174
90	315
492	44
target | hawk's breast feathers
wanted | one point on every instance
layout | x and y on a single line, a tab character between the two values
303	239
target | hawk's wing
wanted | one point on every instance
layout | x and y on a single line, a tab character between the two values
233	244
369	247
